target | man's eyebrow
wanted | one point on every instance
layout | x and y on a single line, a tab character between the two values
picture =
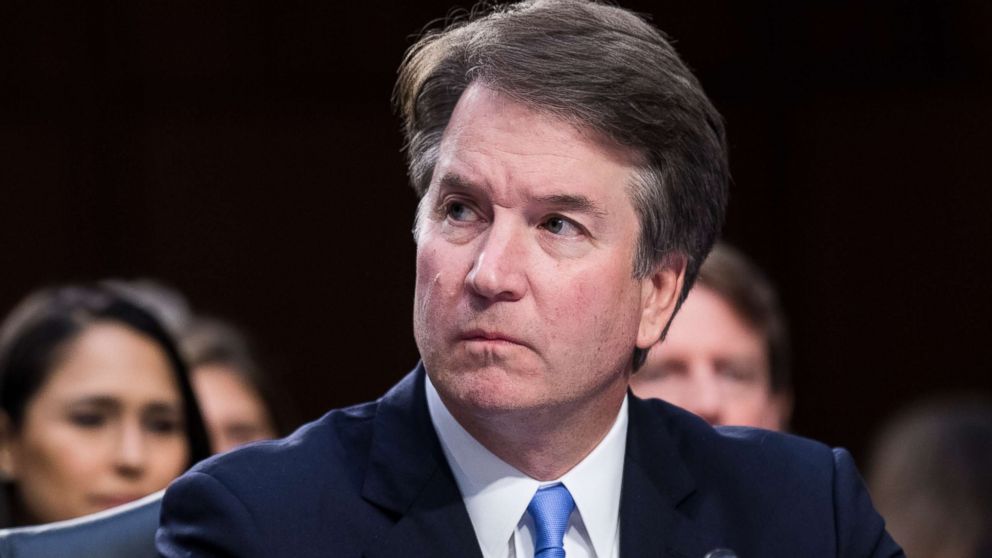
455	181
573	202
562	202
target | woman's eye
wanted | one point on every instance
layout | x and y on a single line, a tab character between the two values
162	425
561	226
458	211
87	420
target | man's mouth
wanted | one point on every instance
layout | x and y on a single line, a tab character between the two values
490	336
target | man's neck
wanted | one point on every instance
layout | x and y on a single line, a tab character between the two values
543	443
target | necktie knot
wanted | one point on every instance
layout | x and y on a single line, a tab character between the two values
550	508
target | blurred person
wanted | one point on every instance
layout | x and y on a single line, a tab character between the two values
573	176
238	401
96	407
166	303
930	474
726	355
233	393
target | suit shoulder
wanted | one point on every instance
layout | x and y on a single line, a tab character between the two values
335	443
766	445
736	451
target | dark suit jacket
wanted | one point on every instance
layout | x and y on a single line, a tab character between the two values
372	481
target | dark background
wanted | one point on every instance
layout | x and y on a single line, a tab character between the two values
246	153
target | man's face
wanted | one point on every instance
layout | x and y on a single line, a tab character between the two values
525	297
714	364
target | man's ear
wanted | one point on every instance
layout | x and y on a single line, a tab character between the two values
8	463
659	298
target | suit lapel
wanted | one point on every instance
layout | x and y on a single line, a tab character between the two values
409	476
656	500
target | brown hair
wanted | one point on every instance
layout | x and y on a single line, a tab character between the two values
601	68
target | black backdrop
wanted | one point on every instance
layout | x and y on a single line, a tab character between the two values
246	153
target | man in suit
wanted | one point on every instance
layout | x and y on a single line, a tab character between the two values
726	355
572	176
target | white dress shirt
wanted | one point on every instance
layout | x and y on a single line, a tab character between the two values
496	494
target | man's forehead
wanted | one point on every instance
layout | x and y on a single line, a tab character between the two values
496	146
483	102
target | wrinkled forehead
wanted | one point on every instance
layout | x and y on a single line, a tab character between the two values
488	122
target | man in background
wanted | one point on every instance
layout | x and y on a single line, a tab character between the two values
931	475
726	355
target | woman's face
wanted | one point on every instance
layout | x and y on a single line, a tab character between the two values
233	410
104	429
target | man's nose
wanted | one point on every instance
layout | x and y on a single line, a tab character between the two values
707	397
498	272
130	458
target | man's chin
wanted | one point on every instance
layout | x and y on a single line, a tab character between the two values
488	389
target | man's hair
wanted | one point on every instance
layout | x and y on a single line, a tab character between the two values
600	68
736	280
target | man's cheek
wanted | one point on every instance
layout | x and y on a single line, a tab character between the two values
581	296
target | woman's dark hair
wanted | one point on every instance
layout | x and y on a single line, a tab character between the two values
37	332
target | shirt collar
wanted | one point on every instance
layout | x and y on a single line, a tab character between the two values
496	494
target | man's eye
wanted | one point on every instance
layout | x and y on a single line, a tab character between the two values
561	226
738	374
672	369
458	211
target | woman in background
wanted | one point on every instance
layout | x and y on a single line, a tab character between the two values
96	407
238	403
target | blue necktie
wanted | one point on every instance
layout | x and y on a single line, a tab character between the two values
550	509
